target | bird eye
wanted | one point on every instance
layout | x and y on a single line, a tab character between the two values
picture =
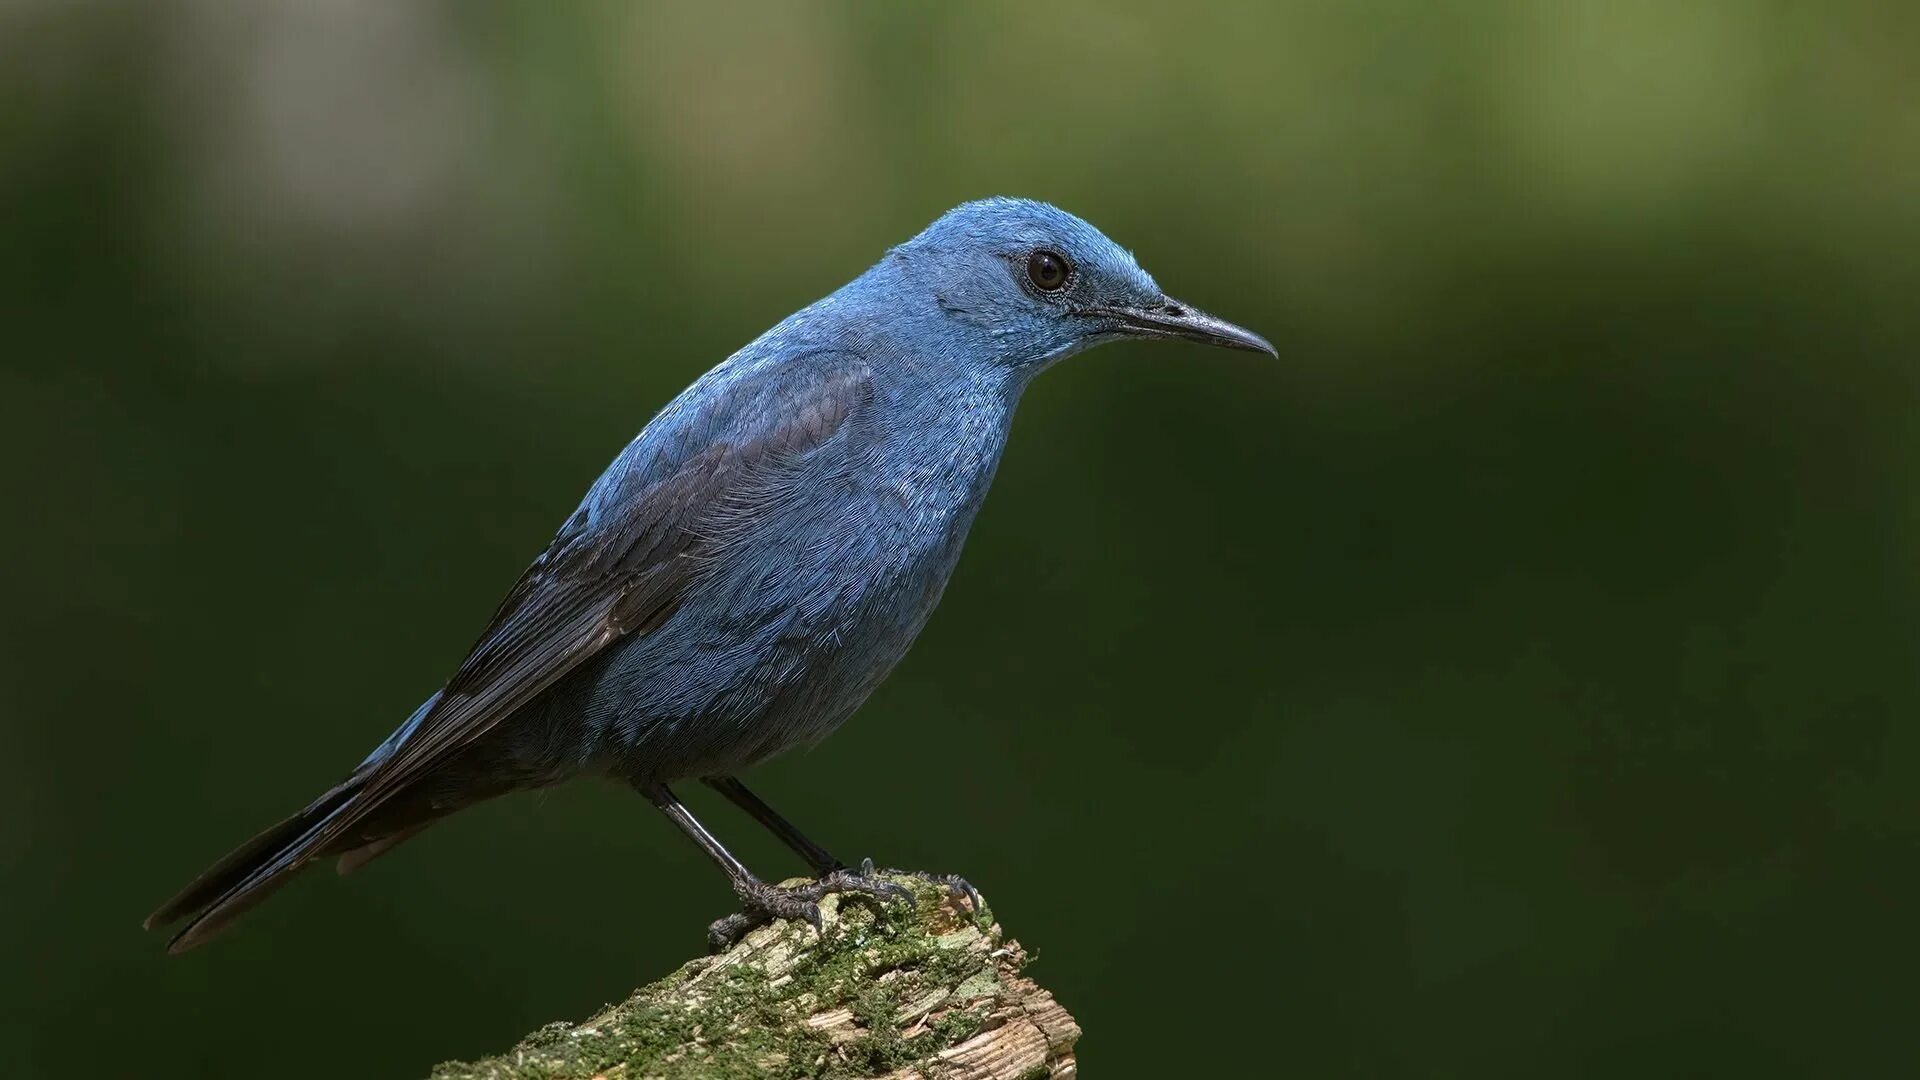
1048	270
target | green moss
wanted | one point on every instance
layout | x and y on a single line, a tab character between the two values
887	985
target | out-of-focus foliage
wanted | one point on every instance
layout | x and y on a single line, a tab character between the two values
1530	653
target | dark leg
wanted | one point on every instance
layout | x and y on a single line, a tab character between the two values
762	902
669	804
818	858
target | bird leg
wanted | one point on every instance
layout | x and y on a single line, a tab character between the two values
762	903
819	858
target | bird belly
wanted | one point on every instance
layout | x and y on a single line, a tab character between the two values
789	629
775	649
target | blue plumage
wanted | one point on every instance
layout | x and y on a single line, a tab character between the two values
756	561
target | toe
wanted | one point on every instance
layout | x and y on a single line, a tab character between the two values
958	887
863	884
724	933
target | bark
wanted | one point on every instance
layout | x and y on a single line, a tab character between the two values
932	990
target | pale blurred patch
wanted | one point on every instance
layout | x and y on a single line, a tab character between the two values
351	116
341	153
1615	106
759	132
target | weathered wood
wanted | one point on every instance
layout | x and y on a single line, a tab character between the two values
934	990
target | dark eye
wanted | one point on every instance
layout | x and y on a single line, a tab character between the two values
1048	270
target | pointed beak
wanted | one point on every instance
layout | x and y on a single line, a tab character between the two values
1173	319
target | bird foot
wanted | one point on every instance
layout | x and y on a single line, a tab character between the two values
762	903
960	888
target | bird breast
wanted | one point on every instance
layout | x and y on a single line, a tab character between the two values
794	627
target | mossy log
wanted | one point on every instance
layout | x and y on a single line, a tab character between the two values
887	990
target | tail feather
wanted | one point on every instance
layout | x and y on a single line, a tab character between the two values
249	873
353	860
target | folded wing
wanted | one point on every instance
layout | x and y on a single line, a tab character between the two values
703	471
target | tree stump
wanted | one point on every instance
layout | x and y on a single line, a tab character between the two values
887	990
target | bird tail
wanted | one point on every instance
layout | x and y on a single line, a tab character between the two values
251	872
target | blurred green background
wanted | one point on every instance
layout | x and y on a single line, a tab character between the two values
1517	678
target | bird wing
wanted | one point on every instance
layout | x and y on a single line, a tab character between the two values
713	464
623	562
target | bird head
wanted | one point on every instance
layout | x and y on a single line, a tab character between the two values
1040	284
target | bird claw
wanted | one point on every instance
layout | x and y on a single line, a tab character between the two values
763	903
958	887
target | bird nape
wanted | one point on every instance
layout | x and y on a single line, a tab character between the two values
752	565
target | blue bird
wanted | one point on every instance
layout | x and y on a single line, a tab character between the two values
752	565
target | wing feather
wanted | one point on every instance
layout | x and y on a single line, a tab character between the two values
623	562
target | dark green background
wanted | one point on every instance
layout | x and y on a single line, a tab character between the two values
1517	677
